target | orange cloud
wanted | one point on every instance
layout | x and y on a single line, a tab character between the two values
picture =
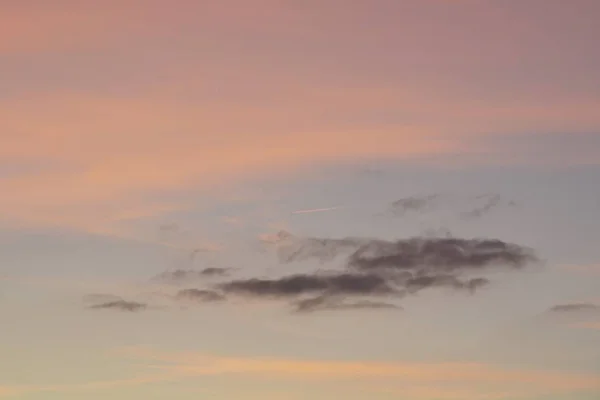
448	393
468	374
587	325
589	269
446	381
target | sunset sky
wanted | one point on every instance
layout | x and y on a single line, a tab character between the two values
300	199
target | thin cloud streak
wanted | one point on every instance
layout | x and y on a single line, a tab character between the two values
574	308
331	303
121	305
315	210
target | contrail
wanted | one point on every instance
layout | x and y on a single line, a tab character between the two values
314	210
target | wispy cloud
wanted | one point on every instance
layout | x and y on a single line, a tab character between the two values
189	275
314	210
575	307
199	295
488	203
465	207
121	305
323	303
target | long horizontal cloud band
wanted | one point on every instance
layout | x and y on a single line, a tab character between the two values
376	268
373	268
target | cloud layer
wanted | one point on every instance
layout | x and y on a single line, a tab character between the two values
374	274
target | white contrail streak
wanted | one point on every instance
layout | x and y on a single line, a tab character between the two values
314	210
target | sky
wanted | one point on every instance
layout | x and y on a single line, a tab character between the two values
285	199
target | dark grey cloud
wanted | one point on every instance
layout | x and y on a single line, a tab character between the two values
416	284
122	305
355	284
371	268
375	267
418	253
215	271
574	307
200	295
331	290
440	255
323	303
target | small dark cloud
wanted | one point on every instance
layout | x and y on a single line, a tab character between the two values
323	303
215	271
301	284
177	276
186	275
574	307
122	305
449	281
406	205
200	295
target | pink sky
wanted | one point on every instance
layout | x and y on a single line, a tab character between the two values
116	114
